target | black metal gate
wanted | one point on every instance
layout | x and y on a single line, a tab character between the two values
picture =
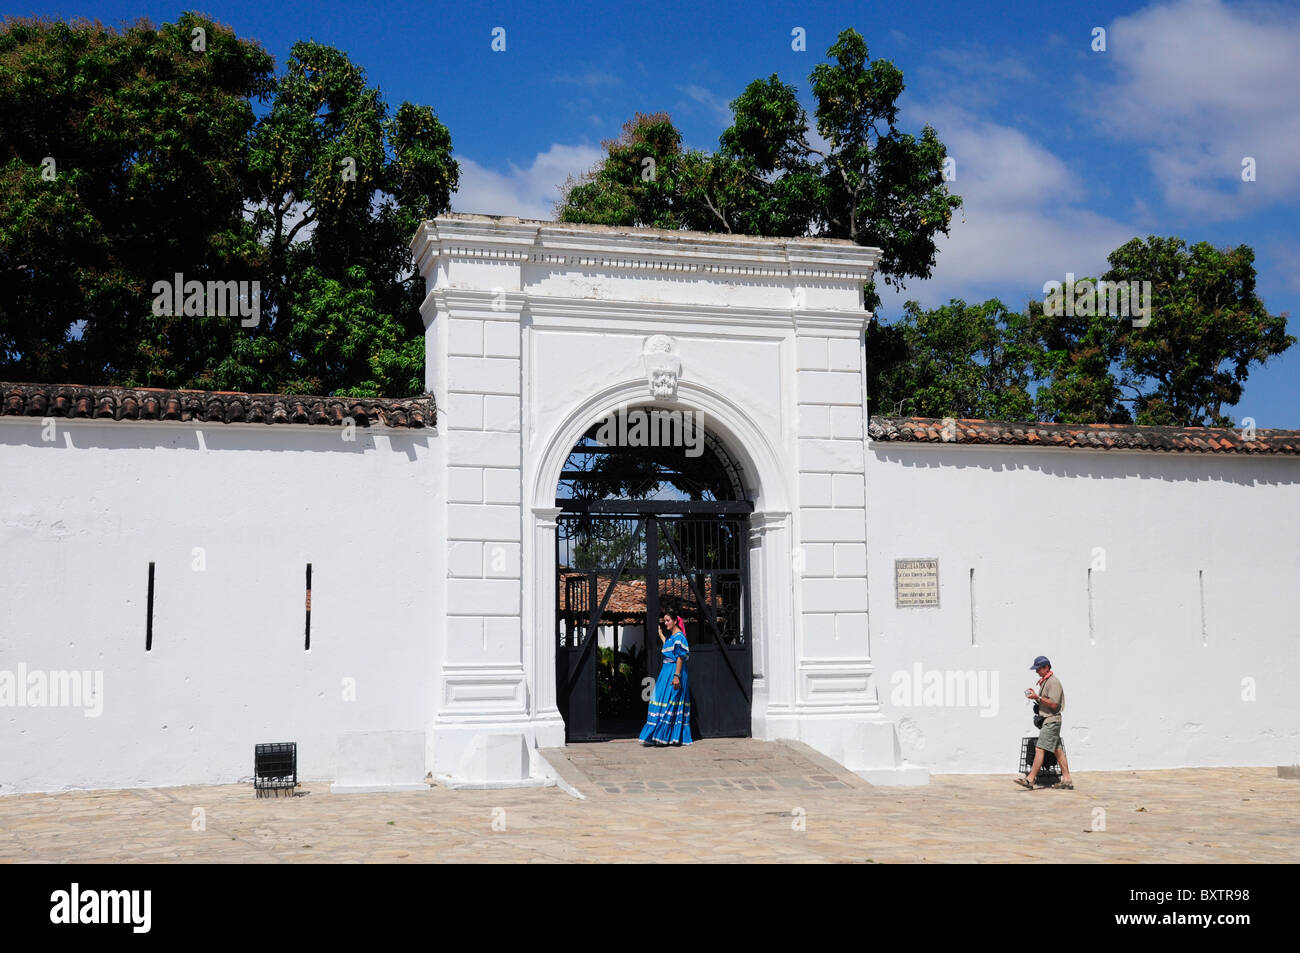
622	567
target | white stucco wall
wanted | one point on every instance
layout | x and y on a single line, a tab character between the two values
1152	682
82	516
433	553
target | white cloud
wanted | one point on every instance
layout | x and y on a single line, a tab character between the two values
1288	259
720	107
1026	217
1202	86
525	191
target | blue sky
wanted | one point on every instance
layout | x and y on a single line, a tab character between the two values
1063	153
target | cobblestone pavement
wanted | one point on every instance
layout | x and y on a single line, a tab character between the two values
722	801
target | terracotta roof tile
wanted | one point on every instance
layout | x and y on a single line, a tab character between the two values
628	599
228	407
1087	436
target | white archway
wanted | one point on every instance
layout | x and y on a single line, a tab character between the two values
771	562
537	330
738	433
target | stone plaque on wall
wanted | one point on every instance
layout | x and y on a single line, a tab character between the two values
916	582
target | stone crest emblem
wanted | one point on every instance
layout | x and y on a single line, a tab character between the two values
663	366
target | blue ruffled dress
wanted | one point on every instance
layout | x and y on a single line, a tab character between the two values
669	719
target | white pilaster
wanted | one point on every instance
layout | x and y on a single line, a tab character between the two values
771	567
540	629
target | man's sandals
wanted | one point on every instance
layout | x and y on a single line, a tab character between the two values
1025	783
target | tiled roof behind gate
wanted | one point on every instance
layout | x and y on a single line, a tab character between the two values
1085	436
229	407
628	600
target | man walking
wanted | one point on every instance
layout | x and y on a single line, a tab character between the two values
1050	697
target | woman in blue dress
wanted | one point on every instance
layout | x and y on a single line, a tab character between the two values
669	719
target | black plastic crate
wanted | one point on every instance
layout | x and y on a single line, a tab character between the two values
275	767
1050	772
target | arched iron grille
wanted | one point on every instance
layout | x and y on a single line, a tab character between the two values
692	465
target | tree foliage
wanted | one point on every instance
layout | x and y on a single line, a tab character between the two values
959	360
1183	364
1207	328
131	156
123	163
338	189
864	179
636	182
1079	362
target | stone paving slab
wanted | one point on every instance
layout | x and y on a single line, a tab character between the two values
714	766
1188	816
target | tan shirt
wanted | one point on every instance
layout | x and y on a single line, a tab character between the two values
1054	693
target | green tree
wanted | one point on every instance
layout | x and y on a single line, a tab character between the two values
121	163
636	182
157	166
871	182
1207	328
959	360
763	180
887	188
1079	363
889	376
1182	365
339	188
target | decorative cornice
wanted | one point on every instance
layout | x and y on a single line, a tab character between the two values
1222	440
200	406
489	304
505	239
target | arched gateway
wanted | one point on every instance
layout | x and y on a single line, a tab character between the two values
562	355
654	517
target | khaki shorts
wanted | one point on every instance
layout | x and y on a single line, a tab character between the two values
1049	736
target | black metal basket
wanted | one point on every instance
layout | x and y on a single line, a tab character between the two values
275	768
1050	772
